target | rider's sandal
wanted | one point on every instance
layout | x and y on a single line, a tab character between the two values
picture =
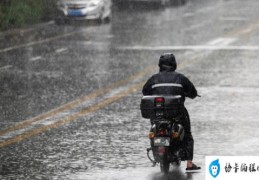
193	168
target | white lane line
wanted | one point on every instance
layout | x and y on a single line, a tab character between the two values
35	58
205	47
61	50
37	42
221	41
233	19
215	41
215	44
196	26
6	67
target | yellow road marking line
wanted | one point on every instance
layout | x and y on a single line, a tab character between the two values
97	92
71	118
84	111
78	101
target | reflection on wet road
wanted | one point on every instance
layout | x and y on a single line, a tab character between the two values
69	99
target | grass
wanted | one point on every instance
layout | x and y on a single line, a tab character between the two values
17	13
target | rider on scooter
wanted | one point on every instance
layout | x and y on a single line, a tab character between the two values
169	82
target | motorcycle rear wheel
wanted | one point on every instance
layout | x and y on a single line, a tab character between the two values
164	167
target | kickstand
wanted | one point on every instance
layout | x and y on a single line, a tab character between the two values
154	162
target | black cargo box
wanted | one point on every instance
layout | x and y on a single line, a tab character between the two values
172	106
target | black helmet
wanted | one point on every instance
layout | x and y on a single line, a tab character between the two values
167	62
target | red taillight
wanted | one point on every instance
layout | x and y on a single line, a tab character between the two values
159	100
162	132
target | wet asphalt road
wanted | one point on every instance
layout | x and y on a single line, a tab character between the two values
100	69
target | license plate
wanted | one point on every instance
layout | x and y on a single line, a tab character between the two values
75	13
161	141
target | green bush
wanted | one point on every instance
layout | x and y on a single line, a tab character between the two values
1	14
23	12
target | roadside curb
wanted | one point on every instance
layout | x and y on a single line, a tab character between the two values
26	29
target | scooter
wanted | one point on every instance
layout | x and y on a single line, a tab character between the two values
167	133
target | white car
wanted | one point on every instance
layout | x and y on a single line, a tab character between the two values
83	10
